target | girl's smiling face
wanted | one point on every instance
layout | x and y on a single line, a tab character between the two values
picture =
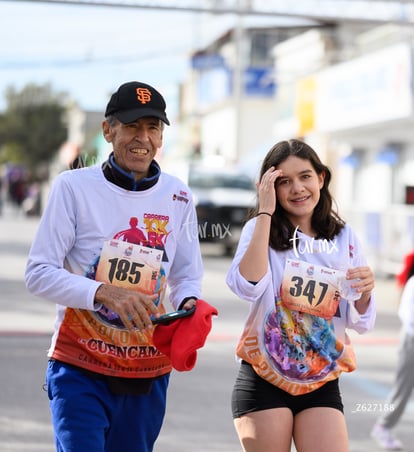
298	191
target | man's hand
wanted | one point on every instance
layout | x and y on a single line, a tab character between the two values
189	304
134	308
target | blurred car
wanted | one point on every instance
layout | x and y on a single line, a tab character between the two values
222	197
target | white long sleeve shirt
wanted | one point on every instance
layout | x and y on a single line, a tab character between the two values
294	350
85	210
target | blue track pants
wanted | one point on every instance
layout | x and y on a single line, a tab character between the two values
88	417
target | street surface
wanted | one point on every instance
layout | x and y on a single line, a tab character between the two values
198	417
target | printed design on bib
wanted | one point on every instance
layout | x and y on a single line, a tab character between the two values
130	266
300	346
132	259
311	288
98	340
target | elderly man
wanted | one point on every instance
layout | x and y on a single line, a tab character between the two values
106	380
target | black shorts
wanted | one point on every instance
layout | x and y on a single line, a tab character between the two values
253	393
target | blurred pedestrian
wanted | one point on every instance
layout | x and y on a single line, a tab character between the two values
106	381
303	271
32	202
404	376
1	192
17	185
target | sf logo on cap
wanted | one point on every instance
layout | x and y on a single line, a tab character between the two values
143	95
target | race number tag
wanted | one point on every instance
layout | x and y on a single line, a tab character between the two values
311	288
131	266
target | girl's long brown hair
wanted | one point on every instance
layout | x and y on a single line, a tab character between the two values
325	220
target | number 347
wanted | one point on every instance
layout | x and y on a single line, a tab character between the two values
307	289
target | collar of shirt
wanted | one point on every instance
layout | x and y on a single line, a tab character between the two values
115	174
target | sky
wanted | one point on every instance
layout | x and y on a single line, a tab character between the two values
89	51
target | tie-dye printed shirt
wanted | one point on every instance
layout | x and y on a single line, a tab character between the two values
291	349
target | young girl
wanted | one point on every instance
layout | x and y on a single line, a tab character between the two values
302	269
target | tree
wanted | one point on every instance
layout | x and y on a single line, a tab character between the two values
33	126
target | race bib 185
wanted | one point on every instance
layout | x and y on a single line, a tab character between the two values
129	265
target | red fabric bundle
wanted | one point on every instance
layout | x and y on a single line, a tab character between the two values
181	338
408	264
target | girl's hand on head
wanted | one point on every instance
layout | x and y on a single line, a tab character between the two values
266	190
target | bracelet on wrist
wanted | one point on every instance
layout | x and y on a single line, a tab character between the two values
264	213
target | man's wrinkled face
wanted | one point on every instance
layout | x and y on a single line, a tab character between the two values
135	144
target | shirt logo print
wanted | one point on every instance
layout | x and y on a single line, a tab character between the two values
143	95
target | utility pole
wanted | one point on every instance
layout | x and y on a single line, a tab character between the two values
238	36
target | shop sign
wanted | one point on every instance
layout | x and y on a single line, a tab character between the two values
368	90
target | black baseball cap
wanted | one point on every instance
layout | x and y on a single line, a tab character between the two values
134	100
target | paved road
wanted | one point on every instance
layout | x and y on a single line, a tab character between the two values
198	416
